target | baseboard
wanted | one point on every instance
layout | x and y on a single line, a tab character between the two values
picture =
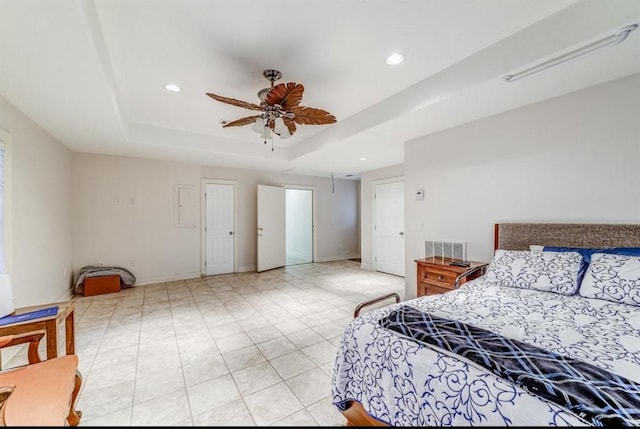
366	266
247	269
338	257
142	281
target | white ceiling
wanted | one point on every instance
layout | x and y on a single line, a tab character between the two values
92	72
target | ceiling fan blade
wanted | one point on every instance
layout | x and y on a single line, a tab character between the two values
311	116
242	121
288	95
235	102
291	125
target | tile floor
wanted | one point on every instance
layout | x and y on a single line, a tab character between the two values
247	349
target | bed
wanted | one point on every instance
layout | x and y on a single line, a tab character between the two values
560	348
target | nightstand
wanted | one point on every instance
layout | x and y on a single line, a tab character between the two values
435	275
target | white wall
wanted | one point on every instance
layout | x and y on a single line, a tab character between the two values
145	231
574	158
40	211
367	180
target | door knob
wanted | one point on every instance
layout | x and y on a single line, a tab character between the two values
401	233
230	232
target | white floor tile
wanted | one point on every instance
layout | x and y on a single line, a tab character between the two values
256	377
212	394
241	349
166	410
272	404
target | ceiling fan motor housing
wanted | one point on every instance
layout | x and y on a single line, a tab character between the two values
271	75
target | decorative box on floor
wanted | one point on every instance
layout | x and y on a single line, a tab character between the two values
95	280
101	284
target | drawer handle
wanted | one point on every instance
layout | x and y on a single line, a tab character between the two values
440	277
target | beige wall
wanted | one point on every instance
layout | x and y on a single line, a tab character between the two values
367	180
337	224
570	159
71	210
123	210
40	211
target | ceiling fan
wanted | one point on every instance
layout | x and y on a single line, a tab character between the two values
280	109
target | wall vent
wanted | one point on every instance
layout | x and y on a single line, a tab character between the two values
453	249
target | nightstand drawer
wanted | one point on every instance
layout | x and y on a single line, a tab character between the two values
438	276
432	289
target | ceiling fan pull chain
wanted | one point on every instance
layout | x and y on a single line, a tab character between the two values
265	131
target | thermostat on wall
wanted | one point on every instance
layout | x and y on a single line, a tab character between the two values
420	194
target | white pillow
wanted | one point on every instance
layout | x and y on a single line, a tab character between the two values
547	271
612	277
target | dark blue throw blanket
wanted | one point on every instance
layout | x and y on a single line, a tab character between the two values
598	396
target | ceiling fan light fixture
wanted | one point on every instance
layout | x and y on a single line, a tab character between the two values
262	94
281	129
266	133
258	126
395	59
172	87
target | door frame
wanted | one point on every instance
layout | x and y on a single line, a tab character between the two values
314	214
374	215
203	221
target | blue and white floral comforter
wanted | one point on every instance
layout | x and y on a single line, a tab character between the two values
404	383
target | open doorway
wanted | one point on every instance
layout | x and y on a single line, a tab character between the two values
286	220
299	226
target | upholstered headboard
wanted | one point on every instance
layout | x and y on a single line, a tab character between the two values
519	236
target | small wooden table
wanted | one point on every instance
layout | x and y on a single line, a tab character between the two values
48	324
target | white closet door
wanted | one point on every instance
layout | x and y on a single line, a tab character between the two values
219	233
271	227
389	228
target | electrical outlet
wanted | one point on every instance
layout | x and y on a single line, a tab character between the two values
99	264
132	263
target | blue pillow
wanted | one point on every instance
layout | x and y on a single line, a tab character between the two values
587	252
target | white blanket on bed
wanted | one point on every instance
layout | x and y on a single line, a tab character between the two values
403	383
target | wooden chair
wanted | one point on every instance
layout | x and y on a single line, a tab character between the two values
41	393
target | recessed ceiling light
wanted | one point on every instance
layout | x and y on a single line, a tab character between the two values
395	58
172	87
364	158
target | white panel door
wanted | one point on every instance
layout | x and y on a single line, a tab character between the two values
219	233
271	227
388	233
